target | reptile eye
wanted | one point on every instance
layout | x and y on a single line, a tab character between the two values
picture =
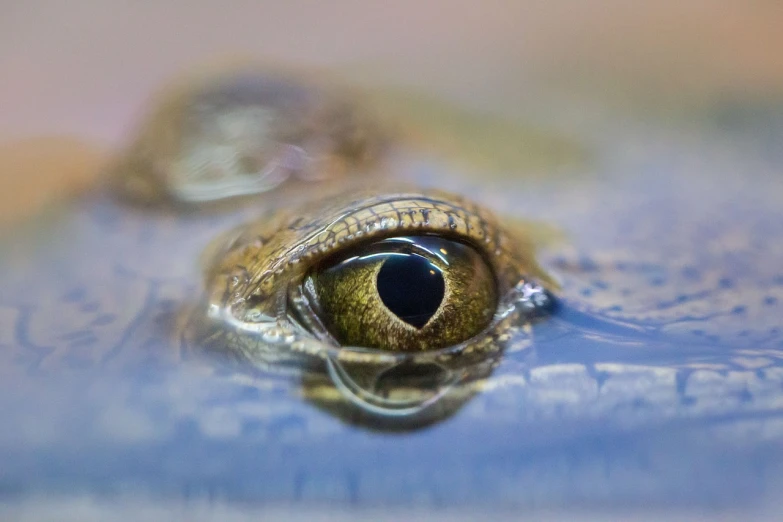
401	299
409	293
245	132
386	276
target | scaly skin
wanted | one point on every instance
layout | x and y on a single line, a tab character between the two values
113	314
92	318
254	286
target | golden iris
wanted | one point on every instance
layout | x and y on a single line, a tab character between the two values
408	293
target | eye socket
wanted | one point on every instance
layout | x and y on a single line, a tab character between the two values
400	300
409	293
371	278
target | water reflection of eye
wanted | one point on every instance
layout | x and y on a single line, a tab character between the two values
380	289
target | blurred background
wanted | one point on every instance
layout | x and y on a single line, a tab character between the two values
76	74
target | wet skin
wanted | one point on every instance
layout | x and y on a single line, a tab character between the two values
306	286
665	344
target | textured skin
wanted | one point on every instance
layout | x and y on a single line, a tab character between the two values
264	258
114	327
254	282
610	401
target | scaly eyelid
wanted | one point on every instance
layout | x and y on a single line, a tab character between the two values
276	254
381	217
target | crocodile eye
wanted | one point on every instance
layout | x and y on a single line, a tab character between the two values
408	293
401	299
390	275
245	132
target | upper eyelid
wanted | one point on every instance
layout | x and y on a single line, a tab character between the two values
384	217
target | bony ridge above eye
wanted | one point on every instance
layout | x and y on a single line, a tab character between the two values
282	289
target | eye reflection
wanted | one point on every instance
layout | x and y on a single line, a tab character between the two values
405	396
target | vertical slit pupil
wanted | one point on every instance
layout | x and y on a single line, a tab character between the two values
411	287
